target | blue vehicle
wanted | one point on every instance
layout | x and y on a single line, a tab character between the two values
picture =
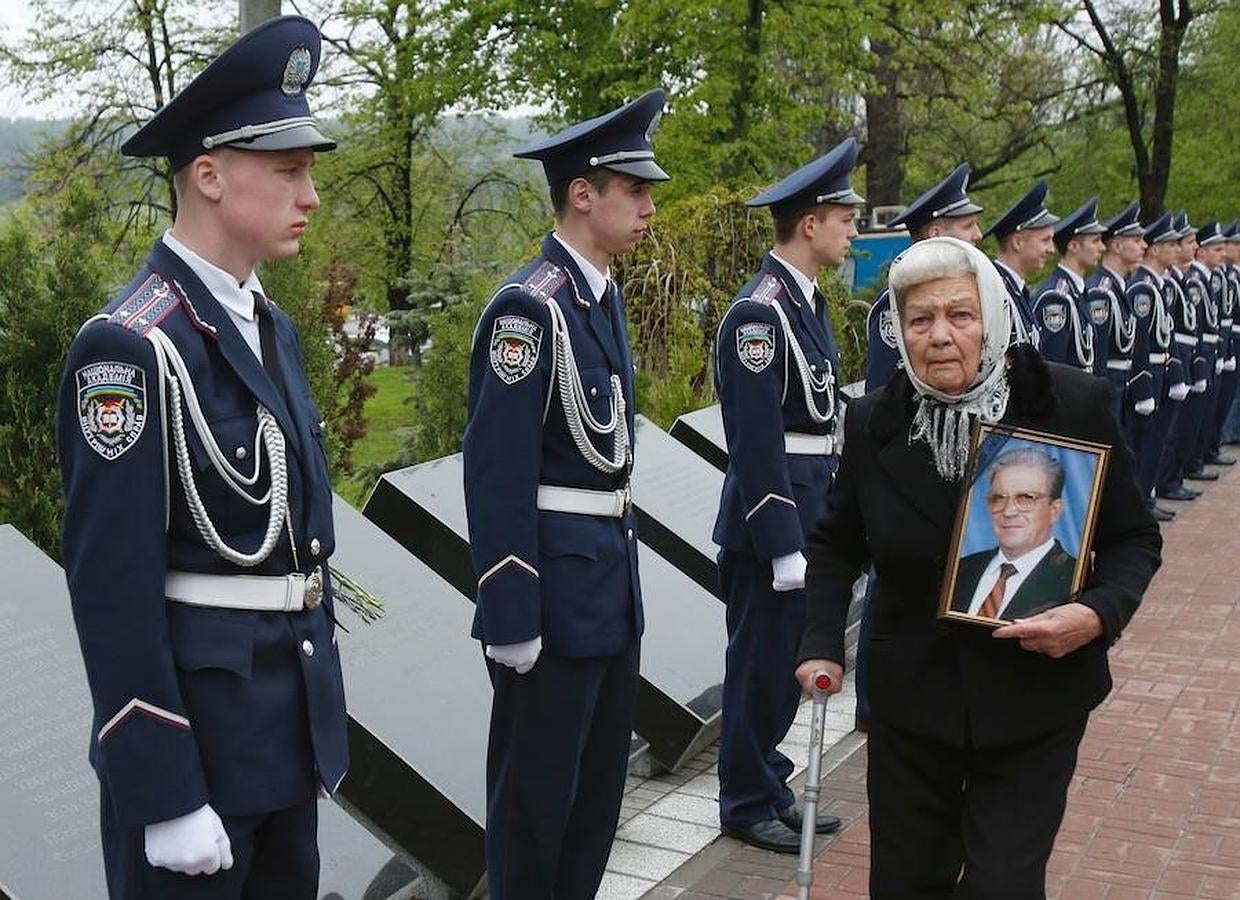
871	252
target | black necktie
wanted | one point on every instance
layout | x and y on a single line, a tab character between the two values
267	342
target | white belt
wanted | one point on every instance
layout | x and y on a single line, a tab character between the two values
583	501
809	444
1210	338
1121	365
262	593
1235	329
1225	323
1187	339
1157	358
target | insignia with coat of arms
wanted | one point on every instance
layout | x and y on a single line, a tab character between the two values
1142	303
111	406
296	71
1099	311
887	328
515	342
1054	317
755	345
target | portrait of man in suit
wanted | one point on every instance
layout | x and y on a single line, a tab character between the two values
1028	569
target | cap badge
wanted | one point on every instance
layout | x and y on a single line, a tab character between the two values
296	71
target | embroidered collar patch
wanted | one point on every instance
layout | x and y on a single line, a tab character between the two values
767	290
755	345
515	343
111	406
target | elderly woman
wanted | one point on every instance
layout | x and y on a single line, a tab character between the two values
974	732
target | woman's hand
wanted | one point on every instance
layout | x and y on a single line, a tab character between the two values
811	667
1056	632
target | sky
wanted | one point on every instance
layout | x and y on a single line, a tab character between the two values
15	18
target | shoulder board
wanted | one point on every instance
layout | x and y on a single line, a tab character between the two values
150	303
545	280
767	290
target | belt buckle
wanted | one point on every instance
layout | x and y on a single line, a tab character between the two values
313	595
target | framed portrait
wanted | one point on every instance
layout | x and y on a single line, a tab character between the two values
1025	525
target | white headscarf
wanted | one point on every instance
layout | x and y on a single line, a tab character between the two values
945	421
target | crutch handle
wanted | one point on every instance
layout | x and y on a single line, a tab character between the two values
822	682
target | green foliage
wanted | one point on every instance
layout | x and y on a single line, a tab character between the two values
53	276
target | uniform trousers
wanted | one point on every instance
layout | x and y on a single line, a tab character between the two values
1208	427
1181	438
965	823
556	763
760	690
275	857
1119	390
1222	407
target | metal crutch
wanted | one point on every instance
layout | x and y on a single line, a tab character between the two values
809	816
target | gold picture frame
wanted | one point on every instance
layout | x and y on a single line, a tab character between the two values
1023	532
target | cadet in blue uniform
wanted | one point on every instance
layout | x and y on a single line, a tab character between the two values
198	510
1231	415
548	452
1067	318
777	373
945	209
1209	271
1124	249
1026	241
1155	353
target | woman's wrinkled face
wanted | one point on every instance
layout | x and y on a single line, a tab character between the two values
942	324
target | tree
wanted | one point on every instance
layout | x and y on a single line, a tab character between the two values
1120	39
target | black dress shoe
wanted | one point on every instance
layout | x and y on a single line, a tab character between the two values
1220	459
1178	494
771	835
793	817
1162	515
1201	475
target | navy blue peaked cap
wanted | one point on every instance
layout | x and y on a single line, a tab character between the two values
1162	230
1027	212
1082	220
948	198
618	140
1180	222
251	97
1125	223
1232	232
825	180
1210	233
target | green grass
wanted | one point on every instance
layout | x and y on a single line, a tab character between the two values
387	411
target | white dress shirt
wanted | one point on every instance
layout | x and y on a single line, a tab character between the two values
237	299
596	280
804	282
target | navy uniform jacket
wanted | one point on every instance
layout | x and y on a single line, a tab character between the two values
568	577
193	704
1202	291
1064	325
1113	326
1231	314
1186	317
882	357
1144	301
771	499
1022	303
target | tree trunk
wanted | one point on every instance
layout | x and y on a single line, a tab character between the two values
884	150
740	161
1154	179
255	12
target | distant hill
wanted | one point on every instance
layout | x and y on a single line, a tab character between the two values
18	138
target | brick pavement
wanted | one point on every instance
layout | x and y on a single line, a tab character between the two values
1154	808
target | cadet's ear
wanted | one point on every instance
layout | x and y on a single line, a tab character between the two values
580	195
202	176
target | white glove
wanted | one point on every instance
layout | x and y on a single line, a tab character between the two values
1144	407
789	571
1178	391
1230	364
1218	365
521	656
193	844
1199	386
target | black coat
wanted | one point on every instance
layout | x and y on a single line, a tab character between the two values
889	506
1049	583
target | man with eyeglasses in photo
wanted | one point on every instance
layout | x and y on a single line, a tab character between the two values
1028	568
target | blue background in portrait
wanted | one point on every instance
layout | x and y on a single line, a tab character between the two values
1078	469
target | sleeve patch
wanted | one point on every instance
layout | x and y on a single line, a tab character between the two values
755	345
1099	310
887	328
1054	316
1142	303
111	399
515	345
